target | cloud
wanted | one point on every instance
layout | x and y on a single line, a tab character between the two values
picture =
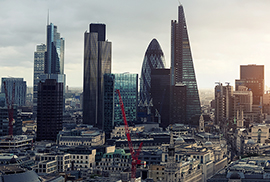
223	35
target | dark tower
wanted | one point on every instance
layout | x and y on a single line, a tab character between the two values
252	76
49	109
182	69
97	62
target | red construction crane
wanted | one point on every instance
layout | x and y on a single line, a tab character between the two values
10	107
134	155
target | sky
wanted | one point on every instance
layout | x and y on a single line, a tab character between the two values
223	34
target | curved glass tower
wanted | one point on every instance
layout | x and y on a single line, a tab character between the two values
153	59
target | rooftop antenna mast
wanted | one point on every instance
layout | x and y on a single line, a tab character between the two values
48	17
179	3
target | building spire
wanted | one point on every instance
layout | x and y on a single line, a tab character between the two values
48	17
179	3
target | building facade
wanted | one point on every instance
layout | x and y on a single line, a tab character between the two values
252	76
160	93
97	62
128	85
182	69
39	60
19	86
49	109
153	59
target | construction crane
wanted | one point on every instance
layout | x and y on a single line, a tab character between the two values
10	107
134	155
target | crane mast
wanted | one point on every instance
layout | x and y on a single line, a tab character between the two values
134	155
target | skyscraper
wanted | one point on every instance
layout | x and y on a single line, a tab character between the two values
39	59
49	109
54	57
19	87
128	85
97	62
51	85
153	59
182	69
160	93
252	76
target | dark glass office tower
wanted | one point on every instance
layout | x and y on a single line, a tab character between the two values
50	85
182	69
153	59
97	62
128	85
49	109
160	93
252	76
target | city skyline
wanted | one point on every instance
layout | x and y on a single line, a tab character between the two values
223	36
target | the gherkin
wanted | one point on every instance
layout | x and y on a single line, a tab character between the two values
153	59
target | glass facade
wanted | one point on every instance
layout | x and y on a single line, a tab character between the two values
97	62
128	85
54	57
39	59
153	59
182	69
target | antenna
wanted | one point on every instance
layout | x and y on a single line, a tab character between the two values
48	17
179	3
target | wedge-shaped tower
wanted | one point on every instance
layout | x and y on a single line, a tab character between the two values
182	69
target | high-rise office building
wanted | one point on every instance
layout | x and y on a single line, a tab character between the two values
224	104
49	109
128	85
54	56
97	62
160	94
153	59
19	87
39	59
182	69
252	76
50	85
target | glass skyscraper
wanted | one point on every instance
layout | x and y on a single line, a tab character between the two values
97	62
39	60
153	59
54	57
50	85
182	69
128	85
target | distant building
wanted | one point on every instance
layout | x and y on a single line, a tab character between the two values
247	169
97	62
39	60
224	104
19	87
49	109
252	76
